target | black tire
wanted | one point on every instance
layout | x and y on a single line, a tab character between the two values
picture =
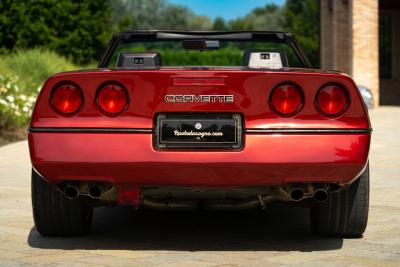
56	215
345	213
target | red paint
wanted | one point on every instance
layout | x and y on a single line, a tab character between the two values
266	159
179	81
251	91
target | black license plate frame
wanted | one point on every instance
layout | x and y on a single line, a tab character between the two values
198	131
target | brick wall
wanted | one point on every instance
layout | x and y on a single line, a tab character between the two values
365	69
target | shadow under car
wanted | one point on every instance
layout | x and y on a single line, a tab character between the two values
124	228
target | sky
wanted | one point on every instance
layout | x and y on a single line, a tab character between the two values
227	9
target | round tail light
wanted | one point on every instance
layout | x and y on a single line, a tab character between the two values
112	99
332	100
286	99
66	99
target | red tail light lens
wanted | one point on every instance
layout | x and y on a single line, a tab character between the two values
112	99
332	100
67	99
286	99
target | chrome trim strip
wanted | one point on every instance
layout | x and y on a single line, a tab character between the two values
304	130
246	131
88	130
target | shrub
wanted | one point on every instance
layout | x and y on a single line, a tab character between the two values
21	76
15	105
33	67
222	57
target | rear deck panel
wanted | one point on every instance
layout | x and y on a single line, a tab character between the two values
250	89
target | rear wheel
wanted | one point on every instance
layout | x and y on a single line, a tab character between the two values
345	213
56	215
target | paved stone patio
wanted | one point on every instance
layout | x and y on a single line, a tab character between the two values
122	237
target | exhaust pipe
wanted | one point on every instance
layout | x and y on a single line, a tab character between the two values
170	204
95	191
320	195
236	205
71	192
297	194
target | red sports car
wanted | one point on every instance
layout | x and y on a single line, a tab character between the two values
200	120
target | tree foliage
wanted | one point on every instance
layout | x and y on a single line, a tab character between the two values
299	17
156	14
302	19
219	24
74	28
267	18
81	29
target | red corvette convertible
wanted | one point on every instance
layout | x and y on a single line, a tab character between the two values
163	124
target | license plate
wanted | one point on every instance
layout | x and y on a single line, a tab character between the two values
197	131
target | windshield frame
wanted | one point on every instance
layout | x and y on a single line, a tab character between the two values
155	35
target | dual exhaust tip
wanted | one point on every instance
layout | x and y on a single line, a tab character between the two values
320	195
73	192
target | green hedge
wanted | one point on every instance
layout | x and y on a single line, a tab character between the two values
222	57
21	76
33	67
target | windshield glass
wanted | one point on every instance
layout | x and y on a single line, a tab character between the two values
247	53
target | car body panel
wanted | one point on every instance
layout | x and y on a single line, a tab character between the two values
306	147
251	90
266	159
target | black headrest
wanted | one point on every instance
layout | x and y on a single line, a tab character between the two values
139	60
263	58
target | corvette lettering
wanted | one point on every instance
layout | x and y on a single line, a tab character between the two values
199	98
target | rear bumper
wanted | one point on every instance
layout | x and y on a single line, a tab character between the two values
266	159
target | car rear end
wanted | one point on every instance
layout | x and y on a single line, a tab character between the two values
187	137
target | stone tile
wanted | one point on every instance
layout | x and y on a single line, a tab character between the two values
121	237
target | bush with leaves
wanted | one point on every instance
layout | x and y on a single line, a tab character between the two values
15	106
77	29
33	67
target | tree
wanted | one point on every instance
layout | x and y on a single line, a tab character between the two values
77	29
155	14
143	14
267	18
302	19
173	17
199	23
219	24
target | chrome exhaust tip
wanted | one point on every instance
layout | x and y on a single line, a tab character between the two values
297	194
71	192
320	195
95	191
